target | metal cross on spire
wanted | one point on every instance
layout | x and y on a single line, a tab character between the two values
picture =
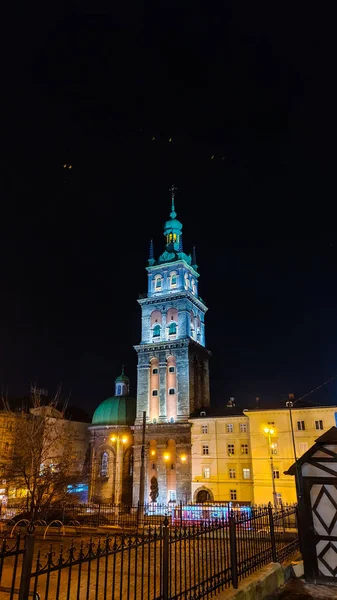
172	189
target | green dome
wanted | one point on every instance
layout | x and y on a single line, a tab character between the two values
122	377
173	224
117	410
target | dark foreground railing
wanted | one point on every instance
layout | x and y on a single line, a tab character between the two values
160	562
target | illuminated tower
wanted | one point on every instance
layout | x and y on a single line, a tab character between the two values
173	371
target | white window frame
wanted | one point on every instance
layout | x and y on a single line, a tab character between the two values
246	473
230	452
232	473
206	472
229	427
302	448
204	428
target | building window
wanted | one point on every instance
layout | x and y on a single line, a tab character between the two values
158	282
154	392
205	449
276	474
156	331
244	448
246	473
273	448
300	426
204	428
229	427
172	329
171	369
319	424
172	496
206	472
278	499
172	391
104	464
302	447
243	427
153	466
233	494
154	371
232	474
173	280
230	449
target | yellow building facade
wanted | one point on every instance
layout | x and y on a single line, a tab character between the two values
242	457
275	452
221	459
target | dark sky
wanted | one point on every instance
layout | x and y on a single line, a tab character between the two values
90	85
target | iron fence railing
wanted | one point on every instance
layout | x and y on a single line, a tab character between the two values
165	561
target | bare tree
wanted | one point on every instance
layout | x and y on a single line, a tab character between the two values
44	462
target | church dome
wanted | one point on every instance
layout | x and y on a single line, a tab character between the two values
173	224
117	410
122	377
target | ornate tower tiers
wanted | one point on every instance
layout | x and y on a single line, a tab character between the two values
173	372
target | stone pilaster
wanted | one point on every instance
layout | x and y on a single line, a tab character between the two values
162	392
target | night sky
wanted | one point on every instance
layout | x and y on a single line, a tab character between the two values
251	86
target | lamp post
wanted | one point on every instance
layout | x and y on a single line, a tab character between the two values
120	441
270	432
290	405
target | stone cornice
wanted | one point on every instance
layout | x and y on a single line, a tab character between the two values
165	345
174	296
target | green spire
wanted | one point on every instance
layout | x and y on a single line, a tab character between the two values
173	213
172	227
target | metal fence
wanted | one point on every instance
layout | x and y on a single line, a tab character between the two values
168	561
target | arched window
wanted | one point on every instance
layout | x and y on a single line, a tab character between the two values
173	279
105	465
157	281
173	328
156	331
119	390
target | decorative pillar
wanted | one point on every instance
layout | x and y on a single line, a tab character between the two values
162	392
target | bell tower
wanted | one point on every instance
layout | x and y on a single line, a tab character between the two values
173	367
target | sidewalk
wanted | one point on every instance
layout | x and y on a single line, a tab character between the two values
297	589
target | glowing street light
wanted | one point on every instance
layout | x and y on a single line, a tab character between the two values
270	431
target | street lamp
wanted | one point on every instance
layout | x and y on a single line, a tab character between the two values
290	404
270	432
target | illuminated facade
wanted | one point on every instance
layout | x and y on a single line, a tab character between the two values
72	435
111	446
173	372
242	455
7	438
